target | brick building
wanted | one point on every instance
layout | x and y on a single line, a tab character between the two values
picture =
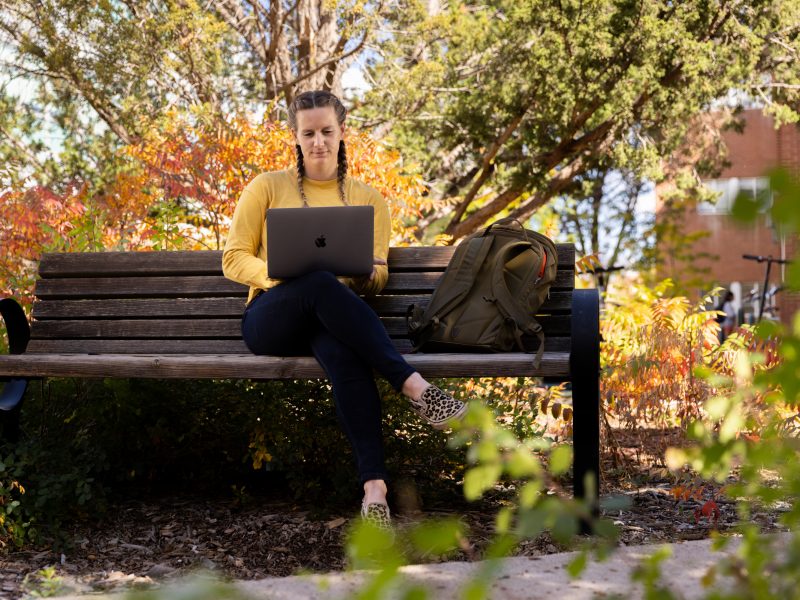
751	154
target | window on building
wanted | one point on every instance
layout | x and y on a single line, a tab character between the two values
729	189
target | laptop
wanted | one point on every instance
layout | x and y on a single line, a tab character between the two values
338	239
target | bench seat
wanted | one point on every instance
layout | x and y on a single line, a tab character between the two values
222	366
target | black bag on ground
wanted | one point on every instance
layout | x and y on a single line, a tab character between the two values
493	286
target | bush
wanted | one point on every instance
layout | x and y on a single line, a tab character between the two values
84	441
13	527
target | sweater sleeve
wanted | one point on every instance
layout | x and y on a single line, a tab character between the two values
240	260
383	230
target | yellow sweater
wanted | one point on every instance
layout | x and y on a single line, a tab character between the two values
244	258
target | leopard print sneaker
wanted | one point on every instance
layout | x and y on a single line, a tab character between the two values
377	514
438	408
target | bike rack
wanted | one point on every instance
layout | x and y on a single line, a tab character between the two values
769	260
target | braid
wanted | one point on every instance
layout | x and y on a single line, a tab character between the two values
341	171
301	172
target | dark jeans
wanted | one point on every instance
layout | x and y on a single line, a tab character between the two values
317	314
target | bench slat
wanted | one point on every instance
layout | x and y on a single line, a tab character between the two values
209	262
223	366
151	346
215	286
559	302
200	346
133	308
208	328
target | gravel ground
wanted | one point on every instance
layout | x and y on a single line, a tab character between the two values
143	542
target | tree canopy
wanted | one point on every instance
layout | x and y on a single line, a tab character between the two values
509	103
503	104
103	72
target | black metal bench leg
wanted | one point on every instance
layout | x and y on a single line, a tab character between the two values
12	393
585	375
10	408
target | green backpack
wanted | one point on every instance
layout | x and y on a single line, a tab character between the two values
487	298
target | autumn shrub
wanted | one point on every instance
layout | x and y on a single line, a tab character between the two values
767	459
652	344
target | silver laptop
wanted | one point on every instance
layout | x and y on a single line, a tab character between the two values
338	239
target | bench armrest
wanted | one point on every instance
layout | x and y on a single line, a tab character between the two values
17	326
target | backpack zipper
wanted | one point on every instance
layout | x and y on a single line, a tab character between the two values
541	271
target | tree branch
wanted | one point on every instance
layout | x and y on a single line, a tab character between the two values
289	85
487	165
627	221
22	148
483	214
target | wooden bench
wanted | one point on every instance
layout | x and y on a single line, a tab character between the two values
173	315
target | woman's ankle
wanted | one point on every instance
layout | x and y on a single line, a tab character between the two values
414	386
375	491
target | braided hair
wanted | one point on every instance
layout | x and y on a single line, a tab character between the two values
317	99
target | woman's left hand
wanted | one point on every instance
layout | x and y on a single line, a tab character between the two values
376	261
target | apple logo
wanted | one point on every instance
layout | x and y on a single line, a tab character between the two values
320	241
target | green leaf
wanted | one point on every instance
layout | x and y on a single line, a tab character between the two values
371	547
476	590
565	528
786	190
793	275
523	463
529	493
487	451
766	329
605	528
438	537
732	424
531	523
560	459
576	566
479	479
501	546
746	208
503	519
702	372
416	593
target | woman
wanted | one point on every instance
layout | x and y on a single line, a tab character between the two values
319	313
729	320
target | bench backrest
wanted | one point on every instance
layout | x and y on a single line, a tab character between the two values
180	303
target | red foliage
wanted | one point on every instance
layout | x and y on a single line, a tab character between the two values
709	510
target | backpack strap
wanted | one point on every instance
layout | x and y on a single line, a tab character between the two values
456	283
414	316
509	306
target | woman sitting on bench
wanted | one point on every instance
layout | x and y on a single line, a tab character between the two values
318	313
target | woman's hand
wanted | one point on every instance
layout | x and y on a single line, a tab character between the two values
363	283
376	261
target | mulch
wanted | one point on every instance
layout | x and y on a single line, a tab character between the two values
143	542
